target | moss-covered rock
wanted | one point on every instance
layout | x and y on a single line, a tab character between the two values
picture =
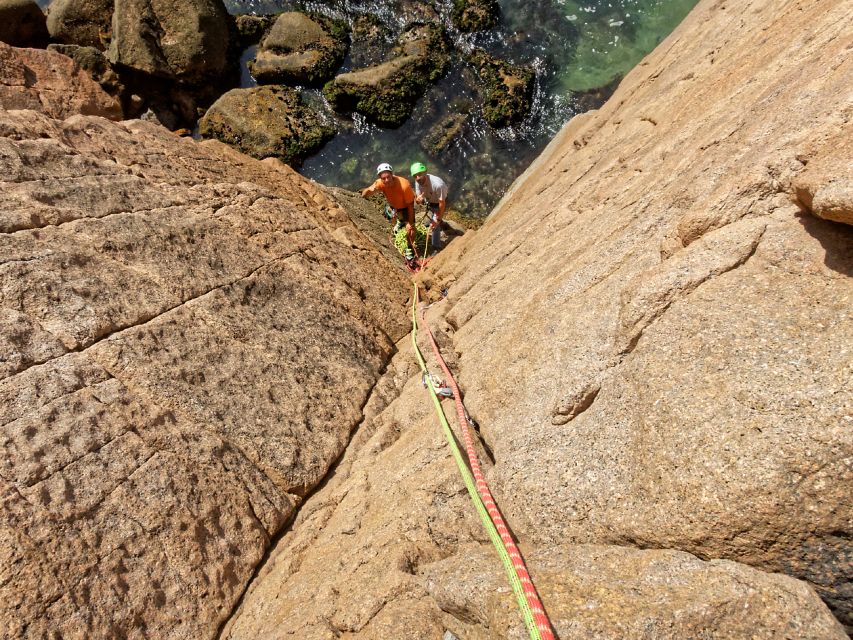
300	49
386	93
266	121
507	89
475	15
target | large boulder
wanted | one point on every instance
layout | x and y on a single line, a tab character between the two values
386	93
266	122
251	29
22	23
187	42
507	89
825	187
53	84
300	49
87	23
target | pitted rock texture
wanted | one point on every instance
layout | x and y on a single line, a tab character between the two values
391	547
654	336
187	338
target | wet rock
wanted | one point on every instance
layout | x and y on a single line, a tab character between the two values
300	49
187	42
265	122
87	23
53	84
386	93
412	12
475	15
252	29
371	41
507	89
22	24
444	132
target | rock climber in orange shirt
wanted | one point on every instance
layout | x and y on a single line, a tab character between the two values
401	203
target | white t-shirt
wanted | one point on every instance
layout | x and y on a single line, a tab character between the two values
433	190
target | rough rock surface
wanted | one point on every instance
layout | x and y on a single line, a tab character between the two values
656	342
87	23
52	83
610	592
825	187
22	23
95	62
266	122
187	337
300	49
187	42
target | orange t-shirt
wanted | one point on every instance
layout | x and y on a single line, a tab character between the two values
399	193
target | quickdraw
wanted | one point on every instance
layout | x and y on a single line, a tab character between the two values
533	613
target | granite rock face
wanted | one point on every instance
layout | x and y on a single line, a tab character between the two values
187	337
653	333
52	83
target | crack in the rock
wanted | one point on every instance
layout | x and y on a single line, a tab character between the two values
25	260
632	343
287	526
146	319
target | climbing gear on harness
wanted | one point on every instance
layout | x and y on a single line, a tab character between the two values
384	167
532	611
418	167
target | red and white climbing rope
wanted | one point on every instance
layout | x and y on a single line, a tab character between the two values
539	626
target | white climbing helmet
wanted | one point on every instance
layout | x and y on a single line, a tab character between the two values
384	167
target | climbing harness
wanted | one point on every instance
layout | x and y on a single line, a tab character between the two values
533	613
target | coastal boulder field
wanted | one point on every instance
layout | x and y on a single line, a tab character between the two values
213	425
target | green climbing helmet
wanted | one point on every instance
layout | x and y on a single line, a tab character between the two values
418	167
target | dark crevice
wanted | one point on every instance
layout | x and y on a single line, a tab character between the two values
287	525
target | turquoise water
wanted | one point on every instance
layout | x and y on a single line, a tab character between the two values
579	51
